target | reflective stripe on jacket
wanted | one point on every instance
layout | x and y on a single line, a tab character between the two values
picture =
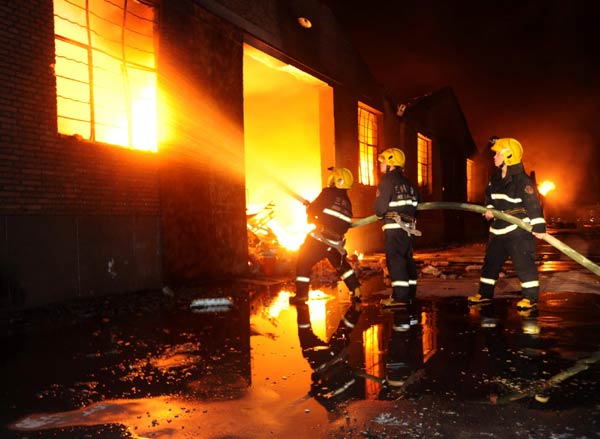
395	193
331	212
515	194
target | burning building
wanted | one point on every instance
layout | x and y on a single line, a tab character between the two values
444	162
138	136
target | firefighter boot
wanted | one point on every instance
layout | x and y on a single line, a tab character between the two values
390	302
526	304
396	374
478	299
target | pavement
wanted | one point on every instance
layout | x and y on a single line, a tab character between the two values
455	271
236	360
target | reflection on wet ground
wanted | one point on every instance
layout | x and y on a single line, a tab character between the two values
257	367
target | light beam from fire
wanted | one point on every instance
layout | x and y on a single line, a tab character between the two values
288	126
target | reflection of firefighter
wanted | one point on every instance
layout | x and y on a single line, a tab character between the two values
396	203
511	191
405	350
333	379
331	213
514	356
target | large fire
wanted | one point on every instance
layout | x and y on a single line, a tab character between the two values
105	72
287	230
289	144
545	187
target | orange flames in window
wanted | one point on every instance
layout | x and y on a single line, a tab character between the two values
105	72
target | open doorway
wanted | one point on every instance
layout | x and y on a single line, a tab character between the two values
289	142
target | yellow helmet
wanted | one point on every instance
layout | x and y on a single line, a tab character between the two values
341	178
511	149
392	157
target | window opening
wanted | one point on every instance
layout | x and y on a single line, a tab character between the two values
470	188
106	71
368	140
424	166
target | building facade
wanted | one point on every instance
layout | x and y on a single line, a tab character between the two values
136	137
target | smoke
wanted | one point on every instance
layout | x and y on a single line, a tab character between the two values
522	70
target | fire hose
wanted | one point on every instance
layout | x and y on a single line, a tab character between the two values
556	243
538	388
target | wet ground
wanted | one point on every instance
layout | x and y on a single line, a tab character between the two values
237	361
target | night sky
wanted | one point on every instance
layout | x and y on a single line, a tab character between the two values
523	69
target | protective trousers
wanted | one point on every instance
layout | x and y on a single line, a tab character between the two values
519	245
405	348
311	252
401	264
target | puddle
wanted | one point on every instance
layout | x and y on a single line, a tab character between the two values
263	368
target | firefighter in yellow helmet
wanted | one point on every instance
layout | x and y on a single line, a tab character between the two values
331	213
396	204
513	192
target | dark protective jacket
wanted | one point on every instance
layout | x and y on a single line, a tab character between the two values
515	195
396	193
331	212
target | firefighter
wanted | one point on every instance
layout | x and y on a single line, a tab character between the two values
511	191
404	355
333	378
396	204
331	213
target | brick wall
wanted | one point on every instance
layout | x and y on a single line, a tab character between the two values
68	207
42	172
202	172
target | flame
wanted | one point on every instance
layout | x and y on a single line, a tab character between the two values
374	358
289	142
317	300
546	186
106	79
281	302
291	236
288	229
